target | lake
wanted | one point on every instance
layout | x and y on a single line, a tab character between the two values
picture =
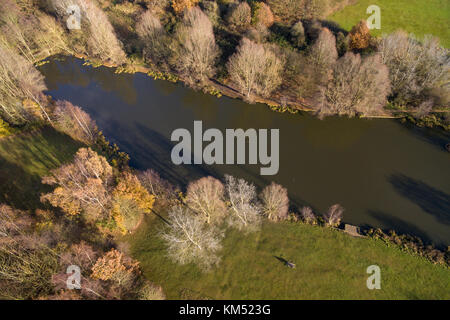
384	173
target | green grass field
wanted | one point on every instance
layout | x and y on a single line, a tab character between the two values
417	16
25	158
330	265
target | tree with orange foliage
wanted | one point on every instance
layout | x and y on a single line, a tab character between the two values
130	201
81	186
180	5
360	36
116	267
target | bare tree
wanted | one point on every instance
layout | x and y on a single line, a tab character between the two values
308	215
19	80
415	69
189	240
100	39
73	121
244	208
334	215
195	49
356	87
152	33
323	53
162	189
239	16
205	197
275	202
255	69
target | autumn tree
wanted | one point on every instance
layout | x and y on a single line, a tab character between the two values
195	49
82	187
357	86
255	69
418	71
360	36
116	267
262	14
189	239
154	37
245	211
130	202
275	202
180	6
334	215
205	197
73	121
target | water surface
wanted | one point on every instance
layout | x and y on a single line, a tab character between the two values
385	174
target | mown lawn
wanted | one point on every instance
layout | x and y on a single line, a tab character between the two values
417	16
25	158
330	265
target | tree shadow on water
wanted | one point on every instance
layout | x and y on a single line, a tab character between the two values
431	200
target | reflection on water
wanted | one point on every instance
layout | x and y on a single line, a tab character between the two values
383	173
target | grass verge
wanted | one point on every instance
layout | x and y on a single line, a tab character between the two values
416	16
330	265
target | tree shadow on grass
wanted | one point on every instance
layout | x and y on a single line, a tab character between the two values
25	158
431	200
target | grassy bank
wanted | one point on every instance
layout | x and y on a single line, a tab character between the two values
330	265
25	158
416	16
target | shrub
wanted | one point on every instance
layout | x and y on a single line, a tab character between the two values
298	34
275	202
334	215
360	36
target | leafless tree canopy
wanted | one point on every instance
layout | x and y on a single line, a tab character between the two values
255	69
152	33
415	68
275	202
323	53
189	239
244	208
195	50
162	189
334	215
19	80
73	121
205	197
100	39
357	87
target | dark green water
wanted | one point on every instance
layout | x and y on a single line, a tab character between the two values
385	174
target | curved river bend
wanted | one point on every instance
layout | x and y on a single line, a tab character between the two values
385	174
